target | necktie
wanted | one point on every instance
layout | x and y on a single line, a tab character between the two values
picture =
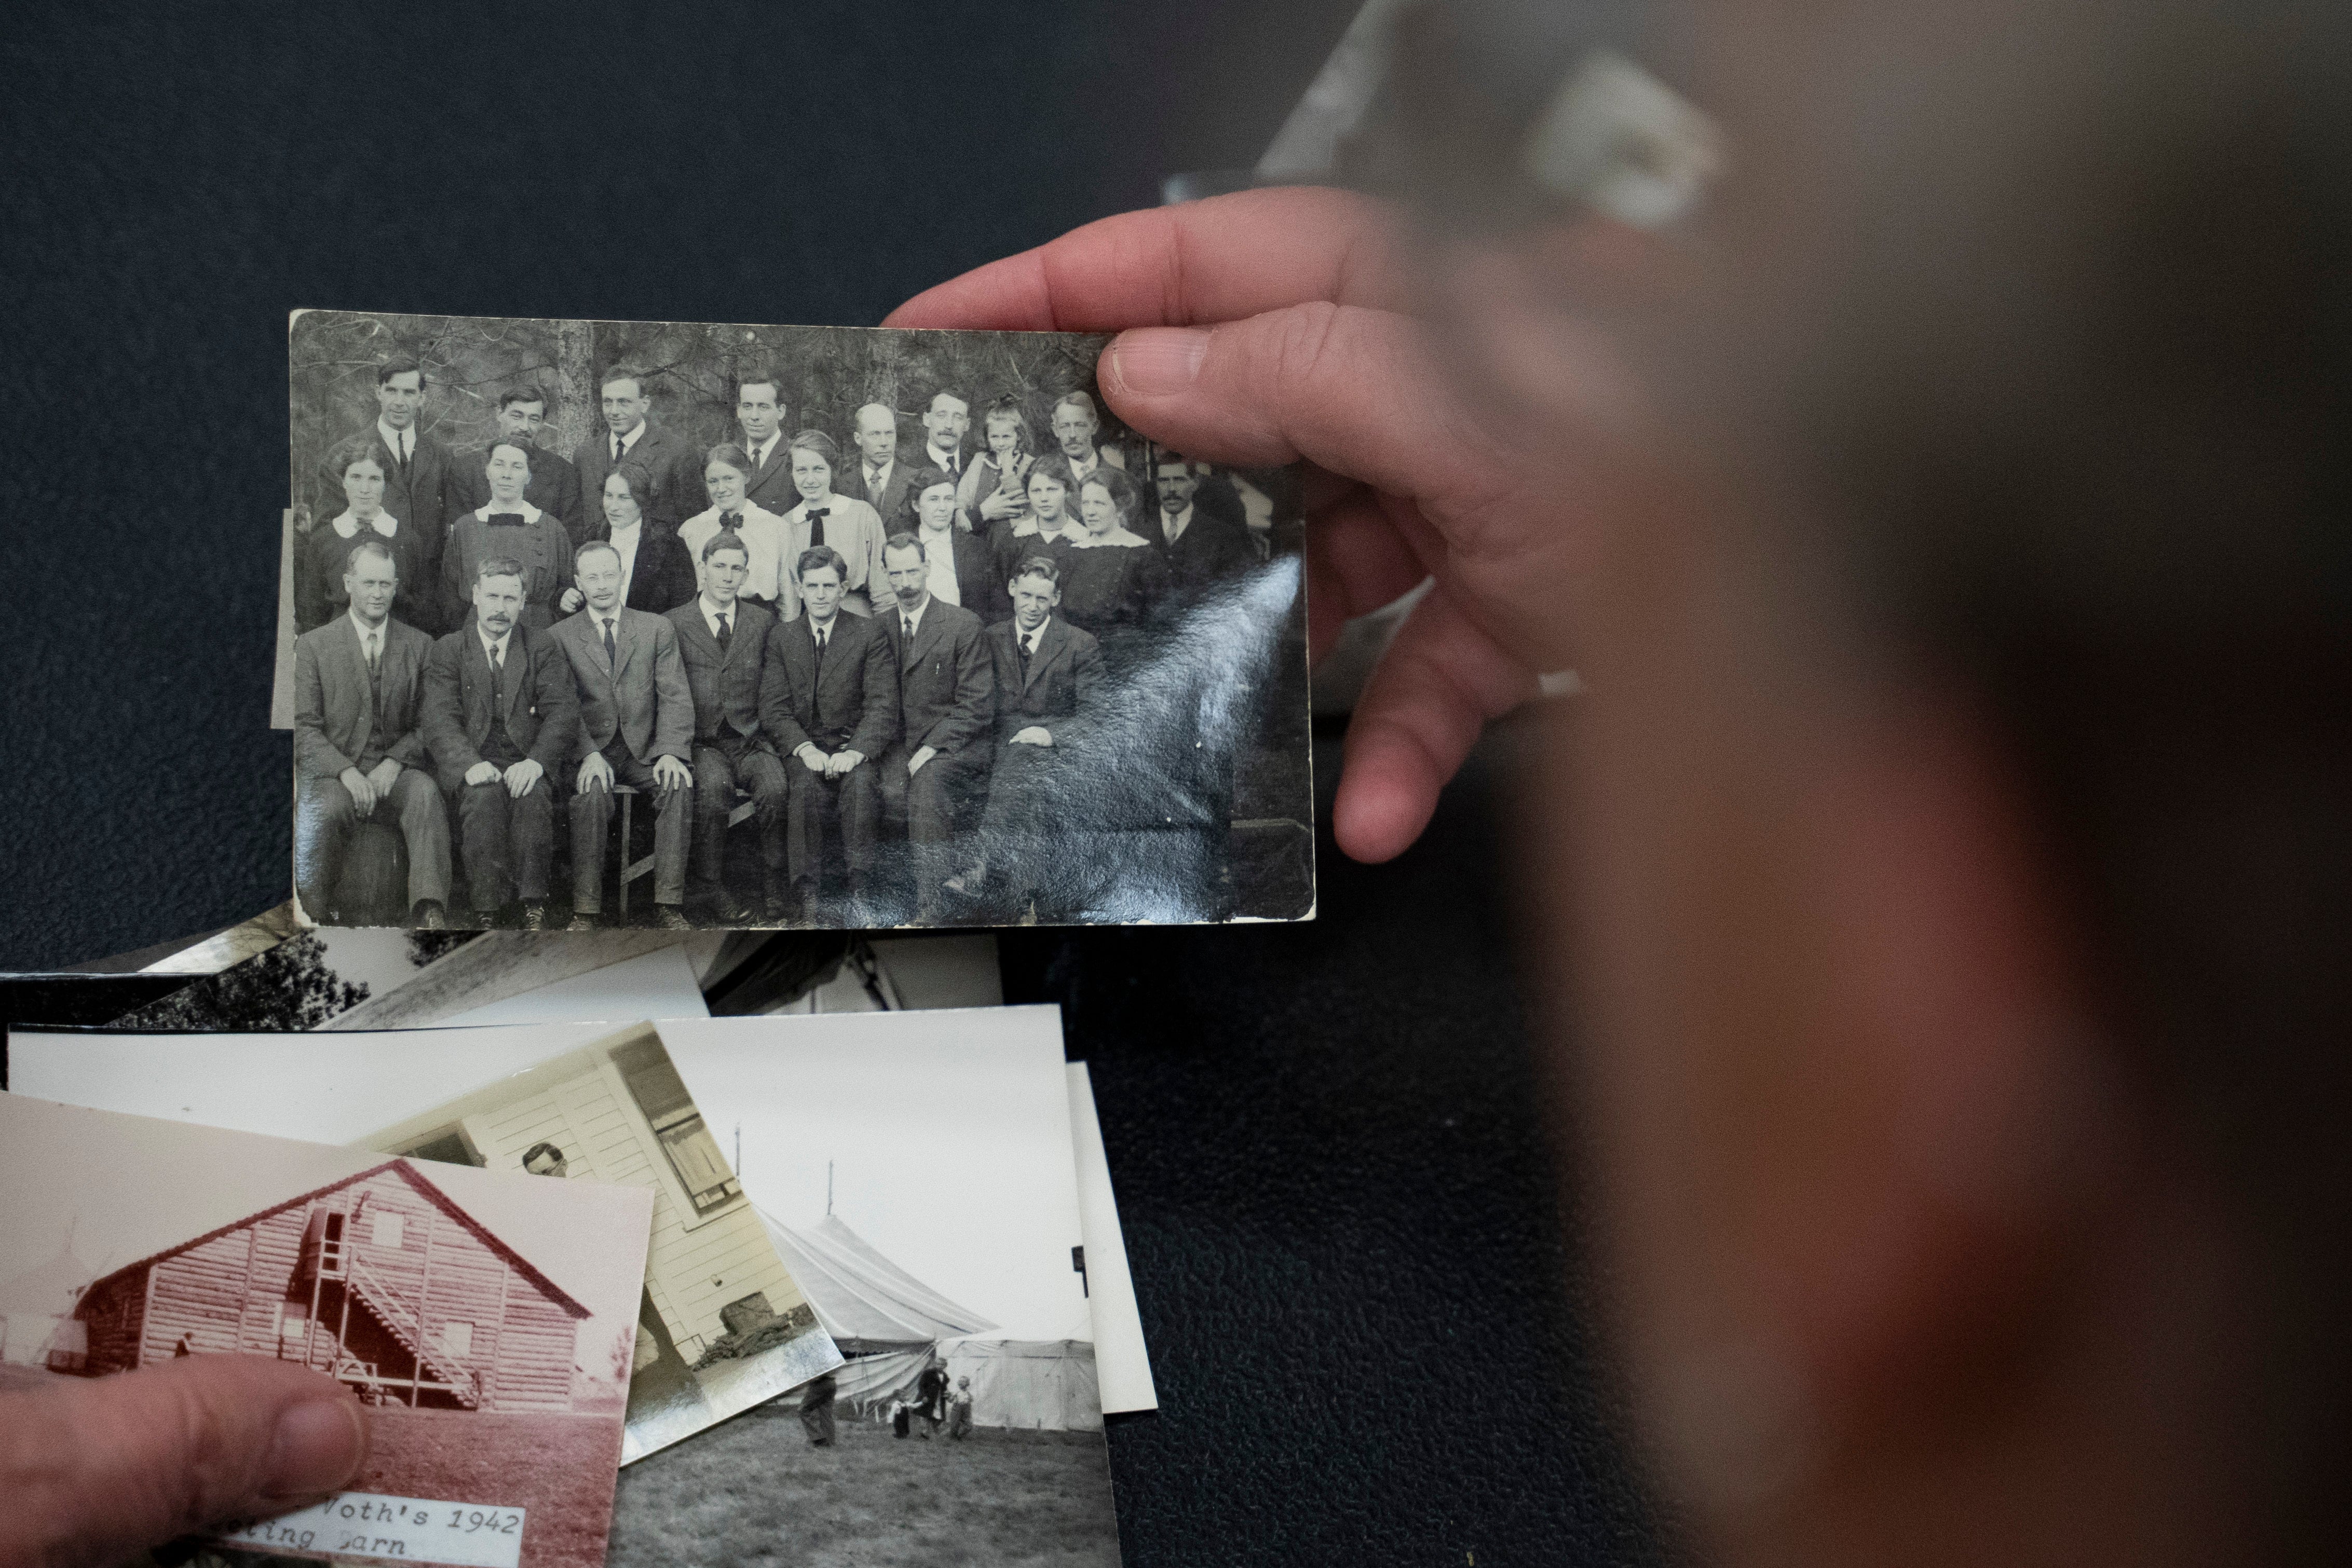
498	657
726	632
874	483
907	642
610	655
375	655
817	516
823	633
1028	646
617	448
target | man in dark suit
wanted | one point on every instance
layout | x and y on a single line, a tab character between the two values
963	563
1048	678
934	770
946	419
880	478
760	410
724	644
671	461
501	717
417	480
554	487
833	714
1201	545
636	728
358	752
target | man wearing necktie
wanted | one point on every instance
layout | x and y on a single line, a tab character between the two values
724	645
359	751
833	711
1048	679
1200	545
1076	424
934	773
880	478
674	464
419	487
501	716
945	421
636	728
554	487
760	410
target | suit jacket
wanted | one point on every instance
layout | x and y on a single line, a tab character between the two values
554	488
423	501
726	686
851	703
978	580
946	684
676	467
1063	685
640	705
771	488
1210	549
893	502
664	577
543	717
335	714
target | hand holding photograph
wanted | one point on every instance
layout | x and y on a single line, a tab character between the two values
485	1322
781	626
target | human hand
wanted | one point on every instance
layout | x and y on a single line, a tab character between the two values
92	1470
363	793
1035	734
812	758
845	762
922	754
521	776
383	776
670	773
482	773
999	505
1286	333
570	600
595	773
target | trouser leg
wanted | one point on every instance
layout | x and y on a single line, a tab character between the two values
592	819
673	812
482	828
714	797
324	815
764	775
859	805
415	800
808	800
931	827
530	825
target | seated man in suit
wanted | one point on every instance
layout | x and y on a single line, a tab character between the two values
939	763
724	644
1048	678
636	728
500	715
1201	546
358	752
1076	425
833	711
554	487
880	478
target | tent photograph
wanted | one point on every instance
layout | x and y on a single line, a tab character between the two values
915	1174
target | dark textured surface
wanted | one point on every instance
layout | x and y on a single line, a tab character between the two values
1343	1218
1345	1226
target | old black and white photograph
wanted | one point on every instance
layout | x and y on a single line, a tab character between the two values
603	623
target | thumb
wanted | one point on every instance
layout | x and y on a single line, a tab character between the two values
93	1470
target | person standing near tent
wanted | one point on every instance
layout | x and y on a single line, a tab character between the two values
931	1397
816	1411
960	1410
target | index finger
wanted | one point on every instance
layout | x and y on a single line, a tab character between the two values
1216	260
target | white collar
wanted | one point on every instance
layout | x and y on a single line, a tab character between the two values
629	441
758	449
884	466
392	437
832	499
942	459
530	514
488	643
916	614
710	616
1178	518
364	630
348	524
828	627
1037	636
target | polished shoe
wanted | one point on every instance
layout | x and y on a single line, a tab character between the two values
534	915
670	917
729	912
430	917
585	921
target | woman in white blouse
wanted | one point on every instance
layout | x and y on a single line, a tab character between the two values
726	473
843	522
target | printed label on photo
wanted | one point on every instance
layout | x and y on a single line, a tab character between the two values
394	1529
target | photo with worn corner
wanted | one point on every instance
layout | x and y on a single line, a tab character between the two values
920	1183
485	1322
722	1324
601	624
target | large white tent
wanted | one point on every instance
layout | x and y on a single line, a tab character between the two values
891	1325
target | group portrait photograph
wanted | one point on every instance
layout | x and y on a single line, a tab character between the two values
605	624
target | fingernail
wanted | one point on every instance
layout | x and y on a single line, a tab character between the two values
316	1446
1157	361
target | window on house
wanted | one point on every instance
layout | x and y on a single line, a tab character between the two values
693	1152
456	1339
387	1230
449	1145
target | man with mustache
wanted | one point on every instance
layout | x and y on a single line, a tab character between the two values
554	487
946	690
501	715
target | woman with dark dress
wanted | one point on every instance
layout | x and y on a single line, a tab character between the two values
323	555
507	524
656	572
1114	584
1046	527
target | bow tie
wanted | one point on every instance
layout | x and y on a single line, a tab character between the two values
504	520
813	512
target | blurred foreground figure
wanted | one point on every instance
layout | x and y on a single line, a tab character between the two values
1923	430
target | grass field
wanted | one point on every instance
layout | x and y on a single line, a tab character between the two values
753	1492
553	1466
